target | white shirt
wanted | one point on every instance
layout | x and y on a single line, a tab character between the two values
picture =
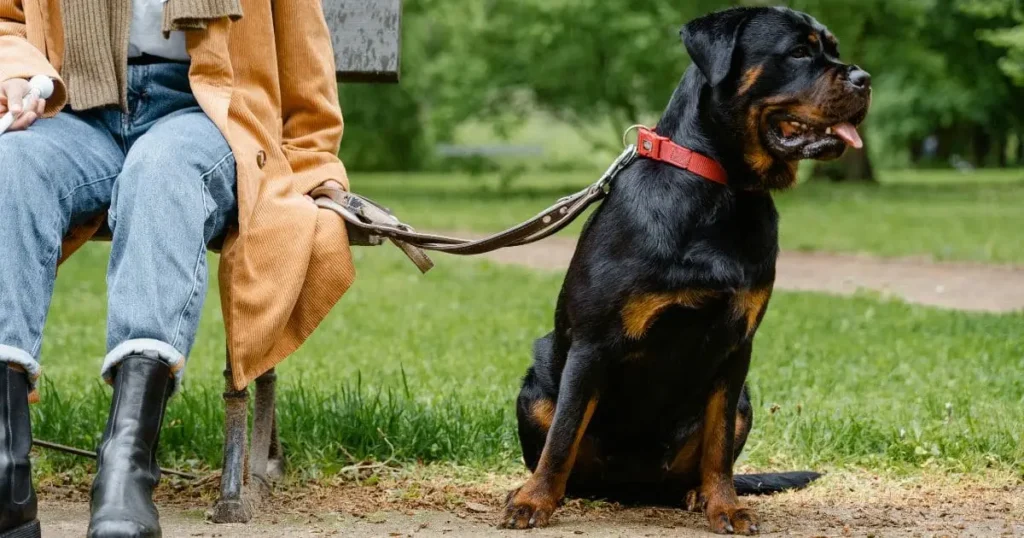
147	36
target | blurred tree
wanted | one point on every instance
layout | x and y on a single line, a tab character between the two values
394	128
1008	17
933	76
1009	37
586	62
384	129
945	71
593	61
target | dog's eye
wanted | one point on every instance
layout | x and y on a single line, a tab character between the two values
803	51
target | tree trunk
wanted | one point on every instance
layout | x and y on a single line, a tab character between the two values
981	144
947	141
853	166
916	151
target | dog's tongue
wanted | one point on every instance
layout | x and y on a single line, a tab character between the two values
849	134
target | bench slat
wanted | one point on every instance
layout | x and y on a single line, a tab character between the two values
367	38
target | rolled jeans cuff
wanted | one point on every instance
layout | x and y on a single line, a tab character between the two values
151	349
13	355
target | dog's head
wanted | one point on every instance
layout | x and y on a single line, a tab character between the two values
779	83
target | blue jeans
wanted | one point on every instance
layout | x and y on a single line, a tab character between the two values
166	178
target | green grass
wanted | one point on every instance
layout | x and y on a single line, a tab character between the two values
430	365
944	215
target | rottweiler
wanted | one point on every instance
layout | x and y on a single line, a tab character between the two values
639	393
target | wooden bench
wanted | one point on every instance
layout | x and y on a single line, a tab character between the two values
366	37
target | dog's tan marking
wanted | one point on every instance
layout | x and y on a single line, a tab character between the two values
750	78
715	463
774	173
813	38
640	311
687	459
723	508
548	472
540	495
543	412
809	113
816	105
589	414
748	305
714	432
757	156
741	427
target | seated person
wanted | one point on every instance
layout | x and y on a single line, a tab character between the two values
179	123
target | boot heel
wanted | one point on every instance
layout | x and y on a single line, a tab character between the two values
28	530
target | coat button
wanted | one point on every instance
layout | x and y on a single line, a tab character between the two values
261	159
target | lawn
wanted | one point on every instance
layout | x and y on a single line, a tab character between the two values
943	215
430	365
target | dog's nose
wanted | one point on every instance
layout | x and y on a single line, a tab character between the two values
860	78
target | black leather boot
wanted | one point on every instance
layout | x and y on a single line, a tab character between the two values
17	497
122	493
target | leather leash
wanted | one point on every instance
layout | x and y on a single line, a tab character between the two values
370	224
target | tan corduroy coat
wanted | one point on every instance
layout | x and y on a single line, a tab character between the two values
267	81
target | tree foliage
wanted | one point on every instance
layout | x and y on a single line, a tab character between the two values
1009	34
945	70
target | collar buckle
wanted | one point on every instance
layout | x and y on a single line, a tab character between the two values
649	143
661	148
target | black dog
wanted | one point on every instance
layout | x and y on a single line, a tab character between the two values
639	392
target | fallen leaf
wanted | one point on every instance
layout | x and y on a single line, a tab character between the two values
477	507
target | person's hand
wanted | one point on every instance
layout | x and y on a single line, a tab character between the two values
12	92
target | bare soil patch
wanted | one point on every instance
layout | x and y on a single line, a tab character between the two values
426	502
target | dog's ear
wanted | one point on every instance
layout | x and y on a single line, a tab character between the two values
711	42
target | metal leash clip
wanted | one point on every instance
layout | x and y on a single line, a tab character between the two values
625	159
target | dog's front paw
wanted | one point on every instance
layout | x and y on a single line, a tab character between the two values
732	520
695	501
528	507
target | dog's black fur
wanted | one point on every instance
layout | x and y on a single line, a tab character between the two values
639	392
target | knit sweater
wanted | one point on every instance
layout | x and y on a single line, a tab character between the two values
96	40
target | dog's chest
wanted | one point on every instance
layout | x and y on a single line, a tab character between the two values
677	345
688	323
672	315
715	286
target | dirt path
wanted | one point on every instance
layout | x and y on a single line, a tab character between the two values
845	504
960	286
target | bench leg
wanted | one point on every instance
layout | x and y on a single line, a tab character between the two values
232	506
275	462
263	426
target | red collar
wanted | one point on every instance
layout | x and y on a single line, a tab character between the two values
660	148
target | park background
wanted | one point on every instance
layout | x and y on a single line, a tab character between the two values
504	106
